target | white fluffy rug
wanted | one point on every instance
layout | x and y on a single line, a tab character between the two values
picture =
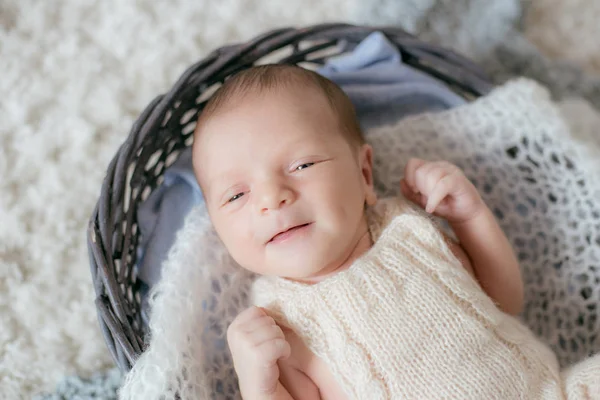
74	74
567	29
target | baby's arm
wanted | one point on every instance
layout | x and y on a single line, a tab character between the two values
442	189
256	344
260	352
298	385
493	261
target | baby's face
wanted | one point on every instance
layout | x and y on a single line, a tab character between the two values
283	187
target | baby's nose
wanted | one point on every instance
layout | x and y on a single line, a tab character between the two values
274	197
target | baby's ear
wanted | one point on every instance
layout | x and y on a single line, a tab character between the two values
365	159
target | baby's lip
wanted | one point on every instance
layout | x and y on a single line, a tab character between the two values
285	230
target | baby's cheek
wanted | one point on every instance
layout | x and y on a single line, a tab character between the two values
247	257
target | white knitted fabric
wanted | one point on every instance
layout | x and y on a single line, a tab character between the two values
514	145
407	321
201	291
541	181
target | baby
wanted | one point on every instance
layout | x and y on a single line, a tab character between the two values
358	297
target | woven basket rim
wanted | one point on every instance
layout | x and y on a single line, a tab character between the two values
112	233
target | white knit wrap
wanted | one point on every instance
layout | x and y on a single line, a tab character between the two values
541	182
407	321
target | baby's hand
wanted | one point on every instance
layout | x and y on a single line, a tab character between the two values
256	343
442	189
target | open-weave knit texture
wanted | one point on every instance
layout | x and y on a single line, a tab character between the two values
201	292
407	321
538	178
541	180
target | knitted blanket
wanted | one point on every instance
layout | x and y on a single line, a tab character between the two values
514	145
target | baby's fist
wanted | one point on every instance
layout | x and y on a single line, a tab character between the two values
442	189
256	343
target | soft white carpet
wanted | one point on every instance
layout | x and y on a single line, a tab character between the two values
567	30
74	74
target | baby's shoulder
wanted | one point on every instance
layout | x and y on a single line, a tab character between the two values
394	211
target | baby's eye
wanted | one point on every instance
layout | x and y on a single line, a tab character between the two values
234	198
304	166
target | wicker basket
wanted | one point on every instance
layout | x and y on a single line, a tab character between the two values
165	128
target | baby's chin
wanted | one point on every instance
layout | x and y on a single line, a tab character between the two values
313	256
295	268
311	266
307	272
297	271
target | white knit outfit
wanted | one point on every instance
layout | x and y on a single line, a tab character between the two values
407	321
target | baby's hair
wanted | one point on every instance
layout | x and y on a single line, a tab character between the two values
272	76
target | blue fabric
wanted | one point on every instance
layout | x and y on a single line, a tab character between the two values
163	213
382	89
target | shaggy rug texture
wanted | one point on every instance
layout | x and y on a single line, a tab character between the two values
75	74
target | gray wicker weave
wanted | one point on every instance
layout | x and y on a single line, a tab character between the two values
165	128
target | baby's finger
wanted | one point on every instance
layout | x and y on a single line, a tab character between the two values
415	197
427	176
248	314
409	171
264	334
439	193
273	350
405	189
257	323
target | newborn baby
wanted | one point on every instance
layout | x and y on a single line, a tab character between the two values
357	297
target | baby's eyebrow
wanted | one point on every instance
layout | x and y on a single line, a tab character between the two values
217	182
214	184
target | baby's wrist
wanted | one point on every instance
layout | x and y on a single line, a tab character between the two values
254	393
480	212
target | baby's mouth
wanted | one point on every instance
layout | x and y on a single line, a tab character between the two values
287	233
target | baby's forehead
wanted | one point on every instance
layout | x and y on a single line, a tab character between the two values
239	142
288	116
278	138
277	108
